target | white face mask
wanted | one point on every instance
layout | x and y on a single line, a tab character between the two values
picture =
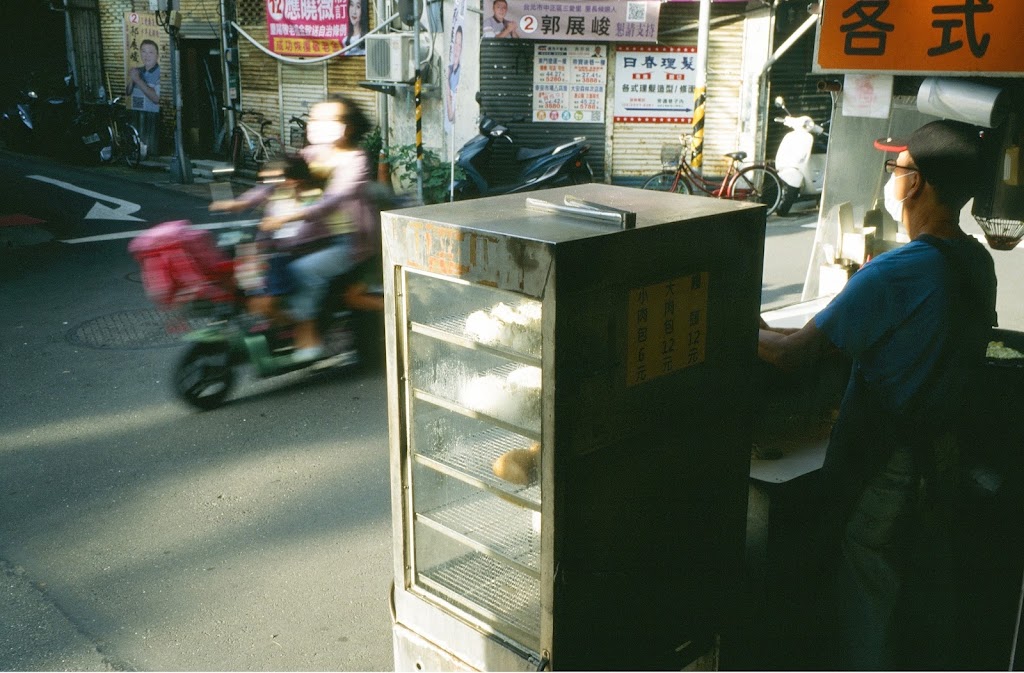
324	132
893	205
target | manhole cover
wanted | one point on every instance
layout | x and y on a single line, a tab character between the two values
138	328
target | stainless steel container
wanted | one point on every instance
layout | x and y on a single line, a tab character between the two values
570	425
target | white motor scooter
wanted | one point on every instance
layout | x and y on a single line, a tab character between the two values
800	159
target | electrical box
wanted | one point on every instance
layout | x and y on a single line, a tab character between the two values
570	416
389	58
161	5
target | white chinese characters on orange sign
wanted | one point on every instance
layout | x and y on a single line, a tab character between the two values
925	36
667	327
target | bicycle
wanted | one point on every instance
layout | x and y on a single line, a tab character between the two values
125	142
297	130
251	145
757	183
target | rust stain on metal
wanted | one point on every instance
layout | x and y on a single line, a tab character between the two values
446	250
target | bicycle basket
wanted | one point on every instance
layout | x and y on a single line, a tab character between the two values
670	153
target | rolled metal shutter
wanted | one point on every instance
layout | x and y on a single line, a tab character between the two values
282	90
791	77
344	74
259	79
636	147
301	86
506	94
200	19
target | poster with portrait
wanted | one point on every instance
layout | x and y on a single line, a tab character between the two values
453	73
145	43
320	28
597	21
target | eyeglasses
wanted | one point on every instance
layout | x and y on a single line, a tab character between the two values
891	166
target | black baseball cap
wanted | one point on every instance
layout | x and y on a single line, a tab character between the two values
947	154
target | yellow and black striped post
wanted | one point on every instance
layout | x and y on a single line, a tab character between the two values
700	97
700	89
419	132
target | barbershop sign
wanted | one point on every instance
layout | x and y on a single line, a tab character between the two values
921	36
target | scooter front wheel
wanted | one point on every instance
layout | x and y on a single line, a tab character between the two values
204	376
789	196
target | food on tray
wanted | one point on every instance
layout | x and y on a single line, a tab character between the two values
997	350
514	398
516	327
518	466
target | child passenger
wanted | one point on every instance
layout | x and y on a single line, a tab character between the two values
287	187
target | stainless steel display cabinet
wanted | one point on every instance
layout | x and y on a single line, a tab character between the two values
570	422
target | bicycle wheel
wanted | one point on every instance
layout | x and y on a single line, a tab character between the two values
131	145
757	184
662	182
235	151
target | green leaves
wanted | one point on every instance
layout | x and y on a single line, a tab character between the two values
436	172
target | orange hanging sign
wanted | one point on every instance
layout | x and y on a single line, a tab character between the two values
973	37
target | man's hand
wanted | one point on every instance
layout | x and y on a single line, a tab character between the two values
509	30
791	349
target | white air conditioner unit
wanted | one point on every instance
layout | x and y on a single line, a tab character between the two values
389	57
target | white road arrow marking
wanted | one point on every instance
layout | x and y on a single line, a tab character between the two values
122	211
132	234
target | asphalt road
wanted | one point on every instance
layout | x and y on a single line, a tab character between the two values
136	534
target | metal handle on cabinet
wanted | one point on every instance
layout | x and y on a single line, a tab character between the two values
586	210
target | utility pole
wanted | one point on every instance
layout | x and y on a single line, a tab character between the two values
700	90
181	166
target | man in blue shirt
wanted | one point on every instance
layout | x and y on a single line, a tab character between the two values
914	321
143	89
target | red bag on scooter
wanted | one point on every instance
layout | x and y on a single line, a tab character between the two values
181	264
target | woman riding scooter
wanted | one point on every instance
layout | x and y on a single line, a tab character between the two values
336	232
346	209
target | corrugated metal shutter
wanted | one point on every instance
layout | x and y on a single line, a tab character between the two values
636	148
200	19
259	79
86	36
506	93
282	90
791	77
344	74
301	86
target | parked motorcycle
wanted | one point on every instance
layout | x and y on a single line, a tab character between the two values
184	269
103	133
38	123
536	168
800	159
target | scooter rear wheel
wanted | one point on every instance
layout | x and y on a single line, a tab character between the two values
204	376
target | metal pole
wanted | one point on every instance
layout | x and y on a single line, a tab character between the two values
226	67
417	8
184	167
700	89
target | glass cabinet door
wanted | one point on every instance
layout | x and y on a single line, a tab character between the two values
473	391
